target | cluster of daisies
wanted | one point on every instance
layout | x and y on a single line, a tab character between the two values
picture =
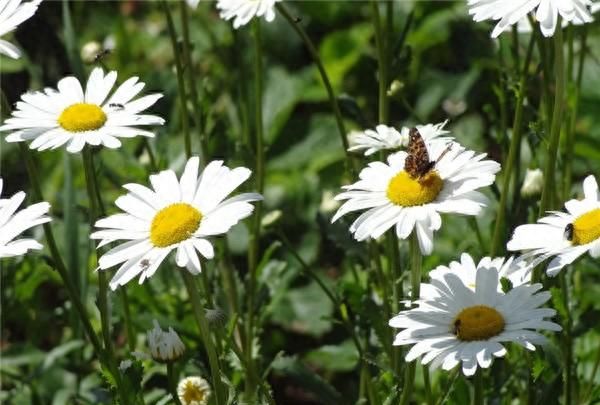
462	315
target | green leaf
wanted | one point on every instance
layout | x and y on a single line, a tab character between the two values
342	357
295	369
342	49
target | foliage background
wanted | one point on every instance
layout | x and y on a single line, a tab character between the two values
446	66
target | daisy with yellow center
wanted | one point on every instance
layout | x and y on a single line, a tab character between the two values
565	236
392	198
14	222
69	116
175	215
457	323
193	391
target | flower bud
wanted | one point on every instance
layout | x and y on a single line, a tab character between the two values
164	346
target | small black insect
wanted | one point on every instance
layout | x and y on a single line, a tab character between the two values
144	264
101	55
569	232
117	106
456	327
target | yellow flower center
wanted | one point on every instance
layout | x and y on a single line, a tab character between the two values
479	322
586	228
82	117
408	192
192	392
174	224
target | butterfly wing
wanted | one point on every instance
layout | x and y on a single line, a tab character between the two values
417	162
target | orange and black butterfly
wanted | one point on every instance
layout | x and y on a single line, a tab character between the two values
417	162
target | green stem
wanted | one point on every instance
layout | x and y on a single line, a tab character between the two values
548	193
204	328
567	345
591	385
416	260
478	387
295	23
131	335
92	187
513	152
191	73
568	175
427	384
180	80
58	262
172	379
254	243
452	379
382	58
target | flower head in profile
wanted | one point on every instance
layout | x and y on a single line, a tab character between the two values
193	391
533	183
517	272
511	12
69	116
461	324
565	236
242	11
393	197
388	138
13	13
192	3
14	222
164	346
173	215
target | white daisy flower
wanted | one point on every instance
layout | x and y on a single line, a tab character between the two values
392	198
533	183
388	138
242	11
13	13
193	391
53	118
515	271
174	215
164	346
459	324
13	223
546	12
562	235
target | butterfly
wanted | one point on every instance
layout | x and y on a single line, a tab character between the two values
417	162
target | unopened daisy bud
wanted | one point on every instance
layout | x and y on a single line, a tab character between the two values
271	218
124	365
193	391
328	202
164	346
90	50
395	87
216	316
533	183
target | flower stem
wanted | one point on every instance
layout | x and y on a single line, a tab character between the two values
199	315
567	345
172	381
548	192
568	172
478	387
92	187
427	384
191	74
295	23
513	152
180	80
254	243
416	260
58	262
